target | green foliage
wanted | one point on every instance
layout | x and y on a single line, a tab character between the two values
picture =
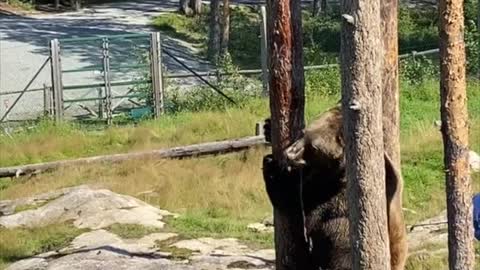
217	223
472	43
417	69
191	29
244	46
131	231
321	37
22	4
21	243
324	82
240	89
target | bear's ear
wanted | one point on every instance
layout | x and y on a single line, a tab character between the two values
393	177
326	135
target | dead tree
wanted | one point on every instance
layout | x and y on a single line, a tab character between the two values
391	128
185	8
214	34
225	36
455	134
362	59
319	6
287	102
196	6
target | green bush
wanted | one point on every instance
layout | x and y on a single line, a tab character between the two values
417	69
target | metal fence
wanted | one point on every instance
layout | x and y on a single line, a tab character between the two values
95	77
100	77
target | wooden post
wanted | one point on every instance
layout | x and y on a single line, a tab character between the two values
259	129
107	81
57	85
156	72
454	113
263	50
362	59
101	103
47	101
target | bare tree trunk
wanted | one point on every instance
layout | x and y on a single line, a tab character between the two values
455	135
57	4
287	102
215	31
225	27
362	59
316	8
319	6
391	132
196	5
184	7
75	5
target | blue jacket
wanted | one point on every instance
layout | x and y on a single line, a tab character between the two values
476	215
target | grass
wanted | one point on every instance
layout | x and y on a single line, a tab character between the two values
21	243
244	32
131	231
23	5
219	195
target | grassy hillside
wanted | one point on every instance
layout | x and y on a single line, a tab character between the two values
218	196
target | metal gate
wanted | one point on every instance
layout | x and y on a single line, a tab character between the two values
103	98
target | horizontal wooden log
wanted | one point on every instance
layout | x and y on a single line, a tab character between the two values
201	149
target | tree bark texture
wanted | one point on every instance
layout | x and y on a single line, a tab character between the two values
287	97
391	130
362	59
196	5
225	27
287	102
215	31
455	134
319	6
184	7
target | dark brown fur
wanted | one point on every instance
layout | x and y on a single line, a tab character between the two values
320	155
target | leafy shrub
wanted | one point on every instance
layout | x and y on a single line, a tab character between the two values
417	69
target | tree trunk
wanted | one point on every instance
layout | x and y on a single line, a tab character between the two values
455	135
196	5
319	6
362	59
184	7
316	8
75	5
57	4
287	102
391	130
225	27
324	6
215	31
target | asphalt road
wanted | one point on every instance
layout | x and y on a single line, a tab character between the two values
24	47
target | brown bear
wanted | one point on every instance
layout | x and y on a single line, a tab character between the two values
320	157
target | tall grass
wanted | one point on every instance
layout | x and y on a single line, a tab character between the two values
219	195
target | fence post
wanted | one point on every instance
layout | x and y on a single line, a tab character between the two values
57	85
263	50
107	81
47	101
101	105
156	73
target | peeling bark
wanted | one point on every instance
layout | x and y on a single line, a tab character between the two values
287	102
455	135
